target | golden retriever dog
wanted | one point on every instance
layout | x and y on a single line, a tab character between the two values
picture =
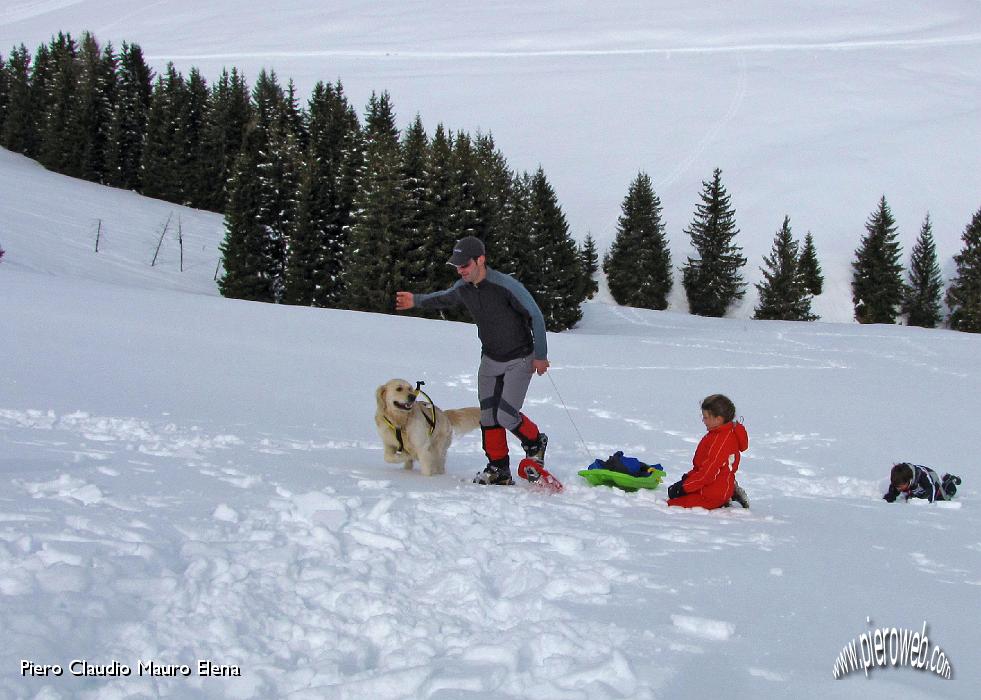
417	431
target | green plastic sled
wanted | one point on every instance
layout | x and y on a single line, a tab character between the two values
606	477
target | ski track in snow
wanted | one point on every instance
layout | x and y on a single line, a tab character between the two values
712	133
858	45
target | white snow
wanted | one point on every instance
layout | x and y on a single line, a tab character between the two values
717	630
188	478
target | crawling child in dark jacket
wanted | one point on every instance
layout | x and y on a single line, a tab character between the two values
917	481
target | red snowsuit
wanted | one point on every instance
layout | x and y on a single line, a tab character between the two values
710	483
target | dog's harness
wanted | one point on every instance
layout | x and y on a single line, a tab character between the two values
430	417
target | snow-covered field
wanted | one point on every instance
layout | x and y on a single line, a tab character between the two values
813	110
188	478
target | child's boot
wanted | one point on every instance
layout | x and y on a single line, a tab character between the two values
949	484
740	497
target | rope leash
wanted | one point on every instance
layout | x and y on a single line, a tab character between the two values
568	413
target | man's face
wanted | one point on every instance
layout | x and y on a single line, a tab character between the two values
473	271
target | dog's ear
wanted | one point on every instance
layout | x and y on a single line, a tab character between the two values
380	397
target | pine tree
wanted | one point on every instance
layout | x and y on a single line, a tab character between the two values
877	283
165	148
438	234
494	197
557	287
638	266
520	239
195	165
248	273
347	166
4	92
96	97
40	80
294	117
409	250
809	267
134	87
964	292
262	200
465	219
19	132
783	294
325	201
924	290
60	143
278	170
304	258
371	276
229	115
589	261
713	281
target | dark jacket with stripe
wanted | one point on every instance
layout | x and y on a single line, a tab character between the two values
509	323
925	484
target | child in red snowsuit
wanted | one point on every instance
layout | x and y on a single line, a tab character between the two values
712	480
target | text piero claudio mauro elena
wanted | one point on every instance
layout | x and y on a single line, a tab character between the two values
115	669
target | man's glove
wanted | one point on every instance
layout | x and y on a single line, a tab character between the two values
677	489
890	496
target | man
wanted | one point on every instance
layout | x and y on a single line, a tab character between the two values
513	346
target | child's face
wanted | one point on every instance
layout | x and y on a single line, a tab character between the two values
903	487
711	422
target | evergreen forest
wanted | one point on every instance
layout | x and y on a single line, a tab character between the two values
326	208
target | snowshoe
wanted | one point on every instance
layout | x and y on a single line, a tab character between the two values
531	470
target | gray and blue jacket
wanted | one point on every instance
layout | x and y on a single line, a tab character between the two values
509	323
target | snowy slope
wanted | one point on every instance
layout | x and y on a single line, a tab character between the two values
813	110
51	224
191	478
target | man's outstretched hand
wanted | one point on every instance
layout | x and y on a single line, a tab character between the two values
404	301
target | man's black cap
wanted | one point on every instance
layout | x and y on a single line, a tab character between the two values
465	250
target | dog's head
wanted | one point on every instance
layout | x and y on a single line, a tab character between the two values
394	399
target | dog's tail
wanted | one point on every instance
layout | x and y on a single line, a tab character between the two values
463	420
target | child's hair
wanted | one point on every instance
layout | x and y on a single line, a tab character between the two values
720	406
901	473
